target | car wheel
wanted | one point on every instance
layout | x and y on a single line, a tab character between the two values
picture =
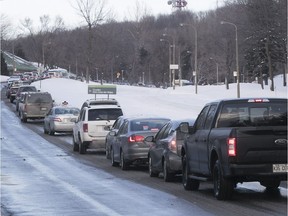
107	153
152	173
223	187
113	163
123	164
23	119
45	130
188	183
50	131
167	176
82	147
75	145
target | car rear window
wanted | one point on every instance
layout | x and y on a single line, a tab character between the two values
253	114
147	125
39	98
103	114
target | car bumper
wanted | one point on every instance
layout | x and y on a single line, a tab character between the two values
254	172
134	154
174	162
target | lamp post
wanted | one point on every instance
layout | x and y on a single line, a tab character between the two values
173	62
237	63
163	40
195	56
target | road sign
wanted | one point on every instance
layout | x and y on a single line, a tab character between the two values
174	66
102	89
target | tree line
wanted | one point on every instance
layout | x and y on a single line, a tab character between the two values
141	50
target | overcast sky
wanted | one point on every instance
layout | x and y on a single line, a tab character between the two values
17	10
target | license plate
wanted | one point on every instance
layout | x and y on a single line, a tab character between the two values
280	168
43	108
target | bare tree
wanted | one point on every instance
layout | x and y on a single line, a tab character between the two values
93	12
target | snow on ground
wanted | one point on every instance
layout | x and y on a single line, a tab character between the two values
180	103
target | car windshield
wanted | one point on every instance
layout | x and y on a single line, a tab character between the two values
66	111
104	114
147	124
35	98
253	114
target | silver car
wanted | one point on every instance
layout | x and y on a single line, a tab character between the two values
60	119
129	146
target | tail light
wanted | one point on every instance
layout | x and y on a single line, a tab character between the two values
231	142
57	120
135	138
172	145
85	127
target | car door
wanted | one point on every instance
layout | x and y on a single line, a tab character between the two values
194	140
121	140
157	150
203	140
79	125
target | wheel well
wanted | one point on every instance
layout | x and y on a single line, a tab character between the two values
182	151
213	159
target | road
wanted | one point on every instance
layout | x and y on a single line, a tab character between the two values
41	175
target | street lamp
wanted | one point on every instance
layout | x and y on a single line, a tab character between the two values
173	61
163	40
217	70
237	63
195	30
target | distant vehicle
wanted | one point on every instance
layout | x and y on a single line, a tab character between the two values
13	78
111	138
34	105
237	140
60	119
90	129
165	152
129	146
12	93
100	101
23	88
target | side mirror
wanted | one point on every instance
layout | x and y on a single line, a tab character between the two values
107	128
184	127
149	139
112	133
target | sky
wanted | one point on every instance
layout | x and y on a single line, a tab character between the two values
17	10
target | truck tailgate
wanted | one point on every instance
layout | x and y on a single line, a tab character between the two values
262	145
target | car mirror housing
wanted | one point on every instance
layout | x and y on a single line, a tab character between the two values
184	127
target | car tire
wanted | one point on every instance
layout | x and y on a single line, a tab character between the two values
45	130
167	175
50	131
113	163
107	153
152	173
22	118
82	147
123	164
75	145
223	187
188	183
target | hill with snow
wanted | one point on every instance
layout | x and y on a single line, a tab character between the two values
178	104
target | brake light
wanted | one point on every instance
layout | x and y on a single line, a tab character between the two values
57	120
85	127
231	142
135	138
173	146
258	100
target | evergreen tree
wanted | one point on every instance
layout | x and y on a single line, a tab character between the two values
4	68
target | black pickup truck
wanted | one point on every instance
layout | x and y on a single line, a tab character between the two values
236	140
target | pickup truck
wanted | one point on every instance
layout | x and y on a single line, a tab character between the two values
235	141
